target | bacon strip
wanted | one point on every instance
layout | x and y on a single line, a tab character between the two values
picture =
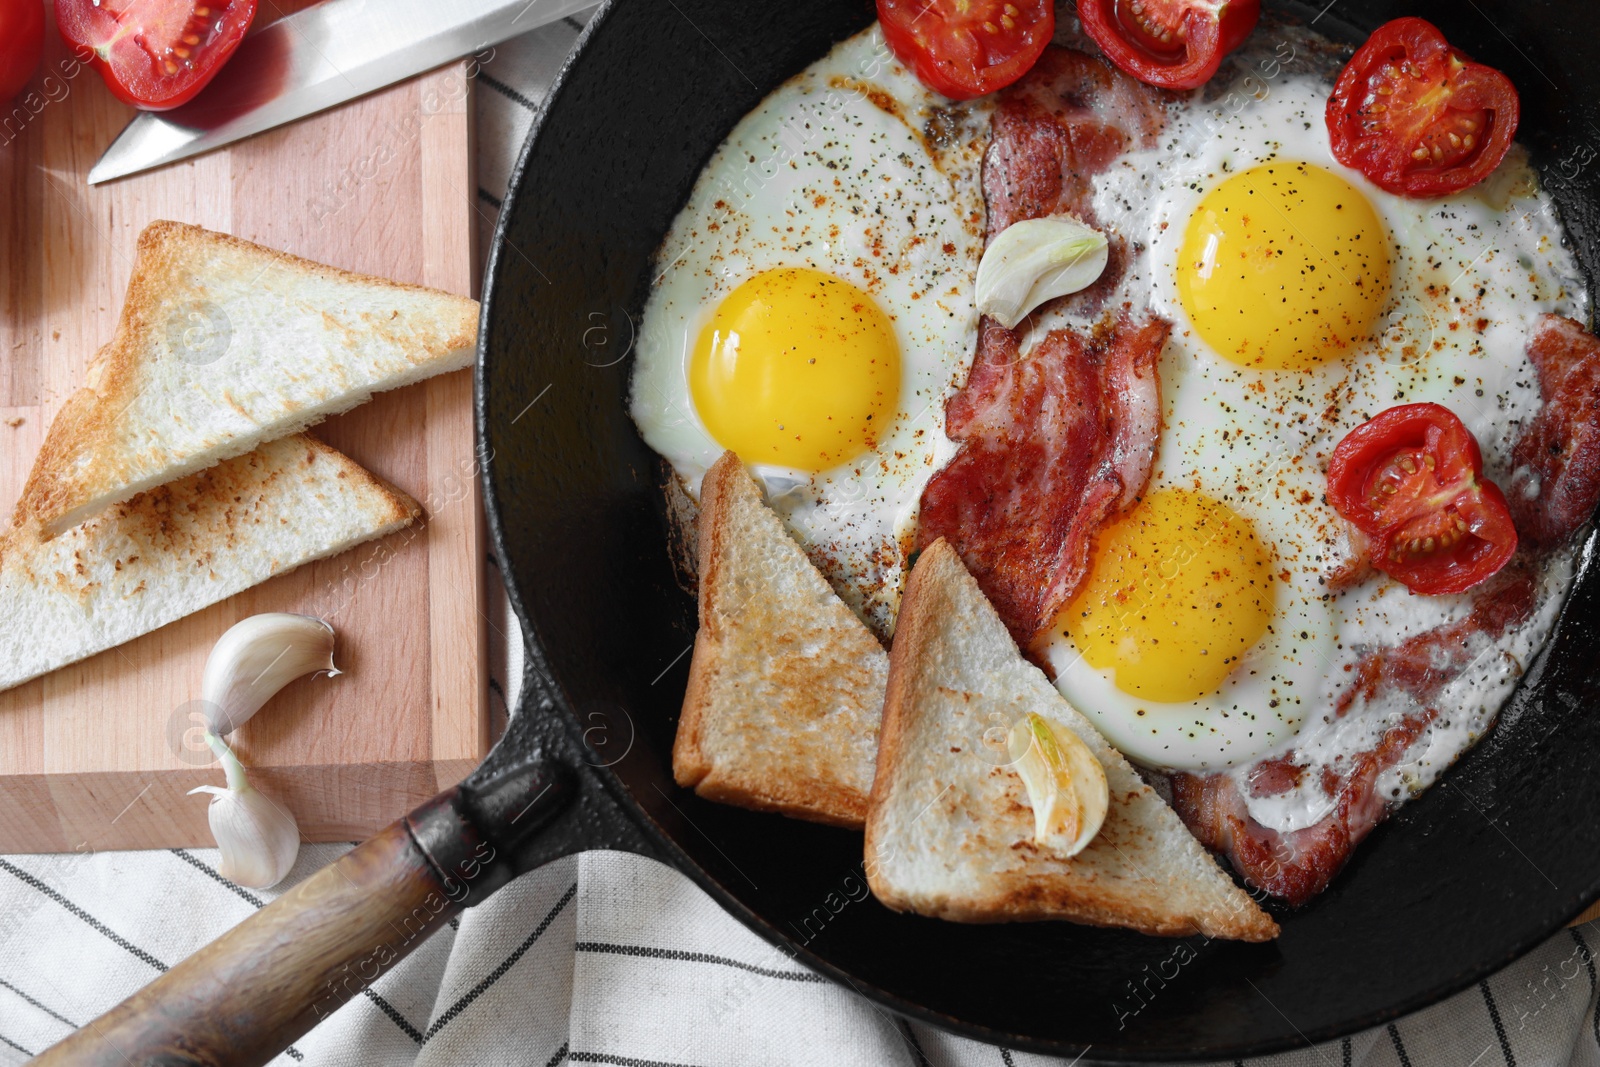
1298	865
1556	481
1053	445
1058	441
1068	119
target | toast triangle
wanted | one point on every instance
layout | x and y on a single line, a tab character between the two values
950	831
184	546
786	684
223	345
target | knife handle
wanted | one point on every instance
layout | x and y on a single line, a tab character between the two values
245	997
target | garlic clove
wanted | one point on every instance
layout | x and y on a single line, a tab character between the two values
1037	260
259	838
1066	785
257	657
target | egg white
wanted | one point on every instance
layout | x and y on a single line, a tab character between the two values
834	170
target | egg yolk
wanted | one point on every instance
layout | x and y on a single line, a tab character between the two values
1283	266
796	368
1180	589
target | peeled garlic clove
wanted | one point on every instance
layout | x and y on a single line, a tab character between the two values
1066	784
1037	260
259	839
257	657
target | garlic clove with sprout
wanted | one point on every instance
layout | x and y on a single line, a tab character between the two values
1037	260
1066	785
259	838
257	657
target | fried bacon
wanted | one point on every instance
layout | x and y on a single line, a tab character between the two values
1555	483
1053	445
1068	119
1297	865
1057	440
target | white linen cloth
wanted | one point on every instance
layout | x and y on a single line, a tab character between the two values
609	958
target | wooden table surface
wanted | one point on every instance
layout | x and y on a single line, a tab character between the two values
100	754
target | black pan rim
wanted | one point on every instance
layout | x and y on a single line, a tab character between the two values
537	669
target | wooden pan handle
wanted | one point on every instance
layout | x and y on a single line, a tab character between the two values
245	997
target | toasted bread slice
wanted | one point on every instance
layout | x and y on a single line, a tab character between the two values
786	685
182	547
223	345
950	832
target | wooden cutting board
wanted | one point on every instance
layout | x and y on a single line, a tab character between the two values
100	754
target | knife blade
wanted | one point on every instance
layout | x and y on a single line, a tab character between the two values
318	58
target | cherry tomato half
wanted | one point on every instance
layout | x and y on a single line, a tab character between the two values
1411	479
156	54
21	42
1416	116
965	48
1172	44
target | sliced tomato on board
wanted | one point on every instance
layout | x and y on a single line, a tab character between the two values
966	48
1412	481
1172	44
21	42
1418	117
156	54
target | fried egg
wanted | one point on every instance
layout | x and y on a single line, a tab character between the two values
814	309
1304	300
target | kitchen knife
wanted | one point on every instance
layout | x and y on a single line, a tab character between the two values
318	58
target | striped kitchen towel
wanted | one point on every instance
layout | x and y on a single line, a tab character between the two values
609	958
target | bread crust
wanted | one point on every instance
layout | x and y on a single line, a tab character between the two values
919	606
690	765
